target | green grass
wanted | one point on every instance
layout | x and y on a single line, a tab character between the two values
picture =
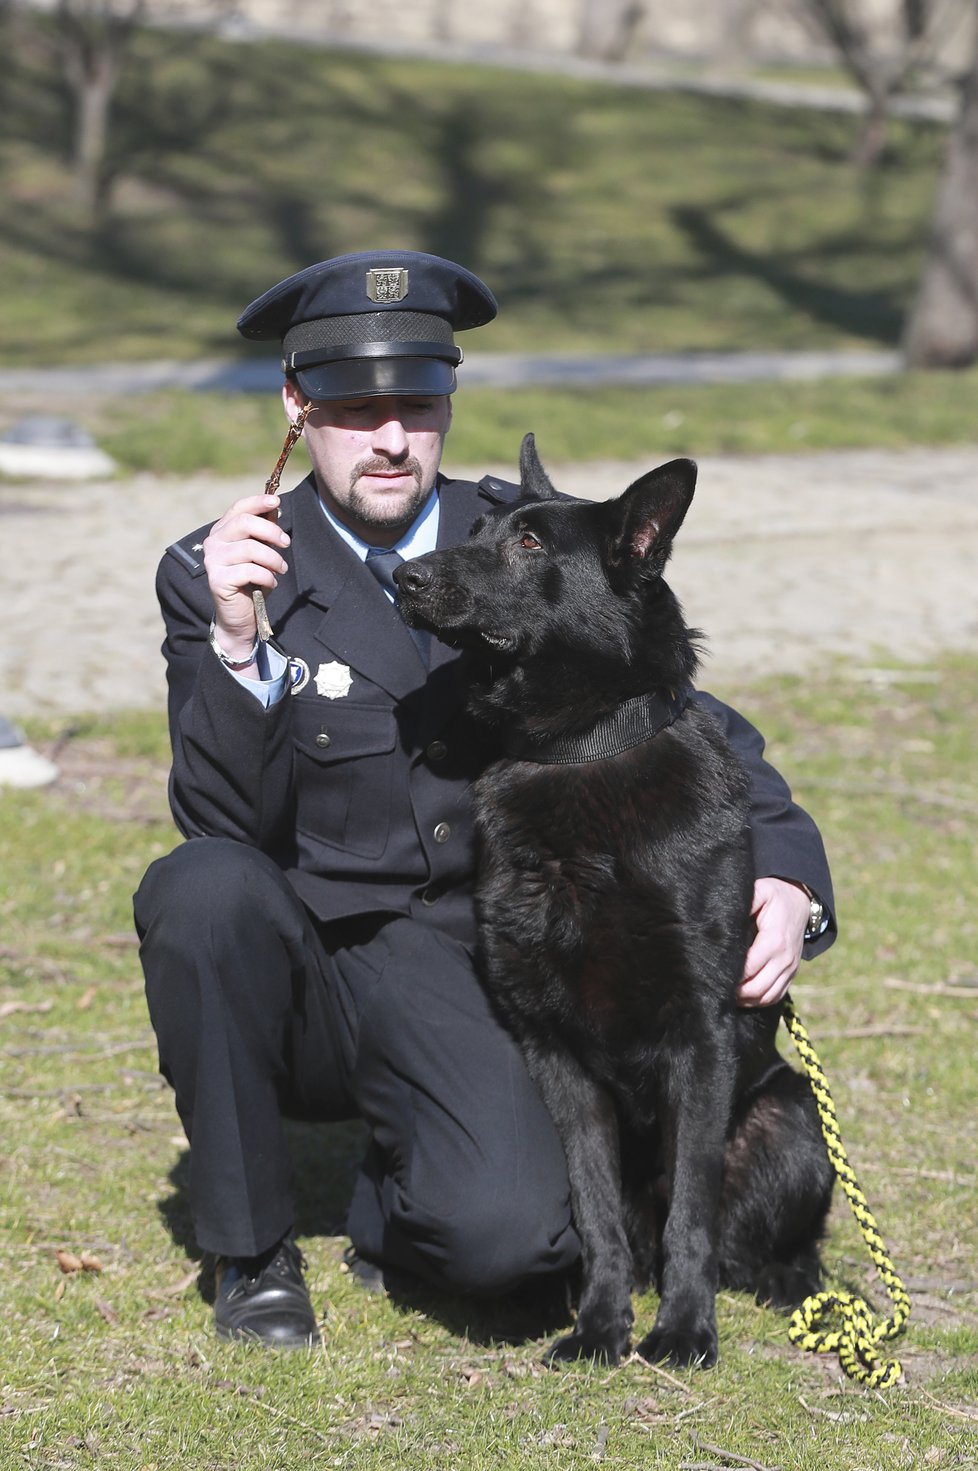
120	1368
605	218
181	433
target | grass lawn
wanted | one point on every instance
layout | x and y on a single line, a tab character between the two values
604	218
178	433
117	1366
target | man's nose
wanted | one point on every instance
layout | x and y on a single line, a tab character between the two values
390	438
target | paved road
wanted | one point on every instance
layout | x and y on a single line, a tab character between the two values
495	370
785	561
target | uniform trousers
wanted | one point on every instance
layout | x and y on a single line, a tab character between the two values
262	1013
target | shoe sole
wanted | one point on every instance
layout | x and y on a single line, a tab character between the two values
243	1335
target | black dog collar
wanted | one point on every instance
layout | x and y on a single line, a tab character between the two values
633	723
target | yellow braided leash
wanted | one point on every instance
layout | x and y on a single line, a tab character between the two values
838	1322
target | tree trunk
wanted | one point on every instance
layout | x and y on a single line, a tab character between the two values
92	38
873	138
942	331
93	86
607	28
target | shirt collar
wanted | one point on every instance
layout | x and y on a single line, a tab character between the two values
420	537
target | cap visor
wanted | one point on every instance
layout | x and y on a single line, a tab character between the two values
368	377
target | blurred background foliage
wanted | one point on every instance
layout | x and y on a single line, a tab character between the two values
605	218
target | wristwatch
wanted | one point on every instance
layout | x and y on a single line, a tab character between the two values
226	660
816	916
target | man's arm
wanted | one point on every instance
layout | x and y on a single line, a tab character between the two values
789	865
232	756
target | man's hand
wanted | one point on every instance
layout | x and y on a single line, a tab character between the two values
240	553
781	911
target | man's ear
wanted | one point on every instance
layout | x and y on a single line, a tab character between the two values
293	399
534	480
651	511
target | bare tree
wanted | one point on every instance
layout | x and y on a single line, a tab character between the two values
92	37
92	40
607	27
887	58
942	329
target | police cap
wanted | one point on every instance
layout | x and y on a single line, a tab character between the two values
370	323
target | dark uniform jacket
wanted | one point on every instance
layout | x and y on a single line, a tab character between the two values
361	794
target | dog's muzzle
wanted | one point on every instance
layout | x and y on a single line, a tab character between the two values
412	577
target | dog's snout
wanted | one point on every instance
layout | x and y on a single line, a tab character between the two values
412	576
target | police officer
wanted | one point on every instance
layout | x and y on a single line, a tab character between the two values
308	950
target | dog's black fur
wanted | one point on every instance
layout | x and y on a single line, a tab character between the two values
614	906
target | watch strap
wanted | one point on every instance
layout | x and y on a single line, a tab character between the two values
816	916
225	658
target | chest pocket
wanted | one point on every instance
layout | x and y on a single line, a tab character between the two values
344	772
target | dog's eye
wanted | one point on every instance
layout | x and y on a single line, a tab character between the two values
529	542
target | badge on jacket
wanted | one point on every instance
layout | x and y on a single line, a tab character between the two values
333	680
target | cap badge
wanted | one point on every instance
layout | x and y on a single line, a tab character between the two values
333	680
387	285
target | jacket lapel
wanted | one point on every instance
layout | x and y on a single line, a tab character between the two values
359	625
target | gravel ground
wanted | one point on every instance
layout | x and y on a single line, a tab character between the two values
785	561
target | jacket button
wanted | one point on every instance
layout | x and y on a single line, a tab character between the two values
322	739
442	833
437	751
430	896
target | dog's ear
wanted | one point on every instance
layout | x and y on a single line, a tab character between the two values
533	477
651	511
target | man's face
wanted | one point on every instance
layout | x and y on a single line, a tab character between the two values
375	459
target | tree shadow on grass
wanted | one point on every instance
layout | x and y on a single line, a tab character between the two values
868	312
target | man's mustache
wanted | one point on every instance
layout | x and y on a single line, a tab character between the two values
378	465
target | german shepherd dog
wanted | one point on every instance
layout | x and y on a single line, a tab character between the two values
614	903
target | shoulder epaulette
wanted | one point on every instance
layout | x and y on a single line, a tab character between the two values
189	551
502	492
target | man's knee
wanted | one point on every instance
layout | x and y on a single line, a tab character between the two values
494	1243
216	876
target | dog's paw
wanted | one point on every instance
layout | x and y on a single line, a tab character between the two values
785	1286
686	1347
605	1349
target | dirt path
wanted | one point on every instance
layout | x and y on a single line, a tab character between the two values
785	561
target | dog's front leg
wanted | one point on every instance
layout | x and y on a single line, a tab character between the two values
584	1114
695	1101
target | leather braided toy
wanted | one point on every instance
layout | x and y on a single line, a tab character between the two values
839	1322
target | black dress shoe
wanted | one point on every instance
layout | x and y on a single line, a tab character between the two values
368	1275
379	1277
265	1298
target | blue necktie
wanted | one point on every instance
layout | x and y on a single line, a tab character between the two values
383	565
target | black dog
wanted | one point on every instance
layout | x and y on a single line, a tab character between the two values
615	892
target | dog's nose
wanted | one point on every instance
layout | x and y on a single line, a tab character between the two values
412	576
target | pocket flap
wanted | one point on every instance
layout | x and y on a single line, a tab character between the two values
344	732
